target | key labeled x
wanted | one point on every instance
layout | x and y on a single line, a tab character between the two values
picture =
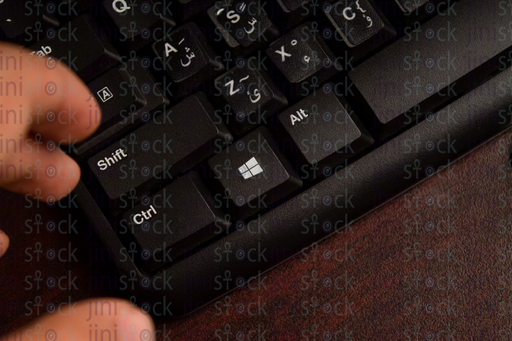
283	53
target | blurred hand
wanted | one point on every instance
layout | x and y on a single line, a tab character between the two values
42	101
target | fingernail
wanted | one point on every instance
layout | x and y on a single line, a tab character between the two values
4	243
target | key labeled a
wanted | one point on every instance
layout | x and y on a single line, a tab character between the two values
105	94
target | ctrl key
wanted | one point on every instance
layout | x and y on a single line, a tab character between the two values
173	221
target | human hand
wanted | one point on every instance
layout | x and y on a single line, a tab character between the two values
43	105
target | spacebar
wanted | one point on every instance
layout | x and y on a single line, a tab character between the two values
385	172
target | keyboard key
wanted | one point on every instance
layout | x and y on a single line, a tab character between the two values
187	58
355	22
301	54
78	46
24	24
163	225
161	149
355	31
151	90
254	173
242	22
437	64
139	81
322	132
114	93
251	96
183	53
139	23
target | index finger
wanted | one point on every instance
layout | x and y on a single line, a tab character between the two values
55	101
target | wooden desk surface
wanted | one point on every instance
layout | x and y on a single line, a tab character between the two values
433	264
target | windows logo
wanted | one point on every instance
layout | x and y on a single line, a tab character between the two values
250	169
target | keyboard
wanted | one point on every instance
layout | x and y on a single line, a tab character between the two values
234	134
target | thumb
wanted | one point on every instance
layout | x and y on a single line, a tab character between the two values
95	319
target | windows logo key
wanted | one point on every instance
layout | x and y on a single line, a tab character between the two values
250	168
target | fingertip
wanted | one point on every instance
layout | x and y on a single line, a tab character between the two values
119	313
138	321
4	243
66	110
115	317
68	175
59	174
88	115
61	179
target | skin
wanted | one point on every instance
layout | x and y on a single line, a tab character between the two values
53	114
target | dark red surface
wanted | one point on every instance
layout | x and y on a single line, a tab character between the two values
384	278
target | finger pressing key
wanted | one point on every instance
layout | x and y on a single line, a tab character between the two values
43	106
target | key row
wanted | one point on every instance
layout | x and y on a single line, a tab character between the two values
185	55
138	21
239	27
319	132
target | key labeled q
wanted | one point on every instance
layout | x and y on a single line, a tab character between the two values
120	6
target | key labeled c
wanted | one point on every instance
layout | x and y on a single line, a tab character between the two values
120	6
348	14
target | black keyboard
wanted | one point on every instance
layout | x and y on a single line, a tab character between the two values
235	134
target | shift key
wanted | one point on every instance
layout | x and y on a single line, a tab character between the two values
170	144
